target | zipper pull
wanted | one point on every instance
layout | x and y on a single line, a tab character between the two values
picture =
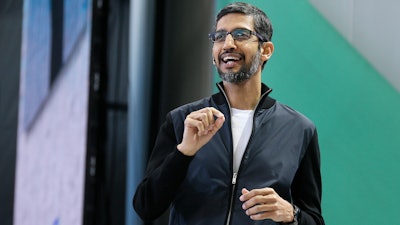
234	178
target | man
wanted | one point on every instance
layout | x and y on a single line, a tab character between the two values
237	157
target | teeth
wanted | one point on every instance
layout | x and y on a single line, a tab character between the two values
230	58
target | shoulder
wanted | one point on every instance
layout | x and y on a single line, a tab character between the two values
291	115
183	110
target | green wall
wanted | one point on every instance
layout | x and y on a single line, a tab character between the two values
317	72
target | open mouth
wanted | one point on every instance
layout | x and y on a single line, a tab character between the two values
230	58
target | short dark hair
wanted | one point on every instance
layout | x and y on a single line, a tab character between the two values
262	24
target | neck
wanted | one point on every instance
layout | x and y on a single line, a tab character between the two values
244	95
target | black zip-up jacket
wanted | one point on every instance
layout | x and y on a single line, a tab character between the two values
282	153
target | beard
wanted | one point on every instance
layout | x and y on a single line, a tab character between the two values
245	72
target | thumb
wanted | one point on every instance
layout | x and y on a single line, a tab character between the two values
219	122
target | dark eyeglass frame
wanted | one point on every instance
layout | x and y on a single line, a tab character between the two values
235	35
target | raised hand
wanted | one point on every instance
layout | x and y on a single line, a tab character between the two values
200	127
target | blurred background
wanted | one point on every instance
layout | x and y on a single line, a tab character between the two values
85	84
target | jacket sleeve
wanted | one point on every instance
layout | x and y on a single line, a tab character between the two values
165	172
307	187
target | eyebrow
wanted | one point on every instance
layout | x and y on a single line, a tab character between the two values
244	28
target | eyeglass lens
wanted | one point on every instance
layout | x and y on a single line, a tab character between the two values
237	34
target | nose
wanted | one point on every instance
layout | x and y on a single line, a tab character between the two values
229	42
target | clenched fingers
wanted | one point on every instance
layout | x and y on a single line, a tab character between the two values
200	127
203	120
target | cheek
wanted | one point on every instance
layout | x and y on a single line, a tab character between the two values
214	51
214	56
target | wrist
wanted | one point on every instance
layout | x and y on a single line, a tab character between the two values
296	216
184	150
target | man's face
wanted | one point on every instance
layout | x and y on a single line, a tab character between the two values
235	60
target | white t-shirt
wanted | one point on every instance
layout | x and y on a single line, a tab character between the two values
242	124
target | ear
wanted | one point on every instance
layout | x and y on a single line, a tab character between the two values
213	61
267	48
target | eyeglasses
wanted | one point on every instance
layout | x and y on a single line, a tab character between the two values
239	34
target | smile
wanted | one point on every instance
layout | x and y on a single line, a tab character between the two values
230	57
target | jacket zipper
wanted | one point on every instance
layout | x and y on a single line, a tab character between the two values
234	177
228	221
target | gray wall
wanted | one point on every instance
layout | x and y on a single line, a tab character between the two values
372	27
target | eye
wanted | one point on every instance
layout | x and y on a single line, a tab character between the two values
241	34
219	36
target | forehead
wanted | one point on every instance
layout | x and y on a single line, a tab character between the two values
235	20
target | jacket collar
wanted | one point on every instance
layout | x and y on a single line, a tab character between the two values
264	103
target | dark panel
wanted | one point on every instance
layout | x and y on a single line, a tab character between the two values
182	70
95	199
57	27
10	42
106	206
182	58
186	57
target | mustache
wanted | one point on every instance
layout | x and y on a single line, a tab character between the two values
230	51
